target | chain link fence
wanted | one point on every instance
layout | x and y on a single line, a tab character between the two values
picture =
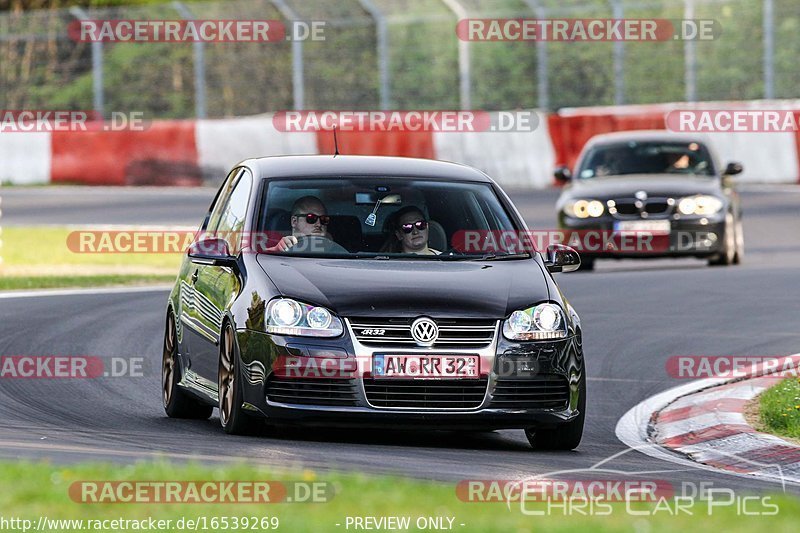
396	54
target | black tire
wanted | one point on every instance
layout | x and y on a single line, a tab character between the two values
728	254
739	256
231	415
565	436
177	402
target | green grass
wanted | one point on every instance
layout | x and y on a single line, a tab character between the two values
40	489
779	408
39	257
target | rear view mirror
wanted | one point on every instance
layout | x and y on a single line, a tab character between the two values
563	175
733	168
211	251
562	258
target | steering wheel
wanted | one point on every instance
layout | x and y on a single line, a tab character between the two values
316	244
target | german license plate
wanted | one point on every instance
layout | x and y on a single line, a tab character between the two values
655	227
425	366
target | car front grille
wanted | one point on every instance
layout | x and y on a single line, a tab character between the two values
314	391
426	393
545	391
396	332
627	208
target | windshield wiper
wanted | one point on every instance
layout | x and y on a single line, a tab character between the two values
484	257
502	257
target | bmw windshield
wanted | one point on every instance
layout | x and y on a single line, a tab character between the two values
389	218
646	157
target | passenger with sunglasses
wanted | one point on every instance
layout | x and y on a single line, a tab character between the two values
410	233
309	219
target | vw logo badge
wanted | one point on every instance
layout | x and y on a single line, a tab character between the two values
641	195
425	331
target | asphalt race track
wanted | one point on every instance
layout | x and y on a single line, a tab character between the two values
635	315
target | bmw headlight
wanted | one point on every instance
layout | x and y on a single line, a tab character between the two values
702	204
289	317
540	322
585	209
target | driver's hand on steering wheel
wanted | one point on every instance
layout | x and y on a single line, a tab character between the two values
285	243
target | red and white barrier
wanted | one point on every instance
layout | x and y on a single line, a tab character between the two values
187	152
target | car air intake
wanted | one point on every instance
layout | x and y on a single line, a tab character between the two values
545	391
426	393
314	391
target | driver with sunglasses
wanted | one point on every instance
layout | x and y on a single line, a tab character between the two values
309	218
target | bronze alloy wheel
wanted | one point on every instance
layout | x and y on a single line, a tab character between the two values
231	414
177	402
168	361
227	378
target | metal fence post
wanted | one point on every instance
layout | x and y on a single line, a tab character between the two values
198	57
298	77
690	57
97	66
769	49
464	74
542	75
618	12
382	35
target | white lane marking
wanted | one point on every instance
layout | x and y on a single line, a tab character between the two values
697	423
44	293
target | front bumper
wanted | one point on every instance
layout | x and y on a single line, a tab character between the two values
521	385
688	237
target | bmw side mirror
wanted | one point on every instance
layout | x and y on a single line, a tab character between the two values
562	258
211	251
563	175
733	168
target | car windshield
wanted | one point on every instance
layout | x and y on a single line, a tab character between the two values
386	218
649	157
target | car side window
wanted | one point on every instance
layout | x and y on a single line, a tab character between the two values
232	217
222	199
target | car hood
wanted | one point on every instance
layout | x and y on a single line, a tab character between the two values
668	185
409	288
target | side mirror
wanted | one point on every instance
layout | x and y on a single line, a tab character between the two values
733	168
560	258
211	251
563	175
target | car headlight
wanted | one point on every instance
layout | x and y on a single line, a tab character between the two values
701	204
289	317
585	208
540	322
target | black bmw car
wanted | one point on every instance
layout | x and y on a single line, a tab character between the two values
338	291
667	190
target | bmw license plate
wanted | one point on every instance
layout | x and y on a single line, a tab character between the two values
425	366
655	227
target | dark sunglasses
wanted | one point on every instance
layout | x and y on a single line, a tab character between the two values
419	224
311	218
